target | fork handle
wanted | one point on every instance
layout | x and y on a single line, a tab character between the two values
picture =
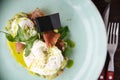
110	75
102	75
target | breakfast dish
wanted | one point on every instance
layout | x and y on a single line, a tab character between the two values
39	43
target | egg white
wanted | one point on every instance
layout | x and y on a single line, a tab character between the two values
24	23
42	60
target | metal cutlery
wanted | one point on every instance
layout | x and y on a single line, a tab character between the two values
112	32
105	18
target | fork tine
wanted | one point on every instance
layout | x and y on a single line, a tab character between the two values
114	32
111	33
108	31
117	32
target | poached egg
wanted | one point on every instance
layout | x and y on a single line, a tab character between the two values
43	60
26	24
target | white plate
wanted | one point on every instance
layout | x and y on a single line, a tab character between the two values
87	30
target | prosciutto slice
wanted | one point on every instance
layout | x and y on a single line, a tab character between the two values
51	38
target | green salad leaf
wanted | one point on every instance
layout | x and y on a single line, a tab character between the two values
8	36
69	44
18	38
28	49
29	44
63	31
21	38
20	35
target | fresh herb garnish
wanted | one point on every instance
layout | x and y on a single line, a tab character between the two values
28	49
29	44
67	51
8	36
20	37
70	43
70	63
63	31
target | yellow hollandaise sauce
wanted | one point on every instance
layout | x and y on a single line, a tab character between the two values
15	54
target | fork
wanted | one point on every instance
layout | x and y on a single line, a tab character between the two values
112	32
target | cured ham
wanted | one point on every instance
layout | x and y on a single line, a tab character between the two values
19	47
51	38
36	13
